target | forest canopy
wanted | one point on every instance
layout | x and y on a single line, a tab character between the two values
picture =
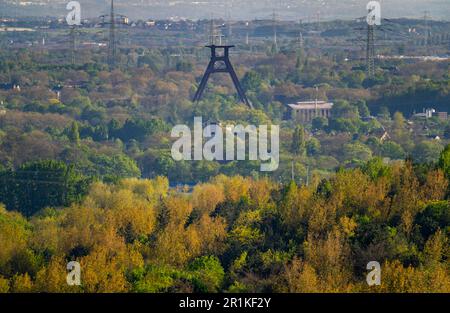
237	234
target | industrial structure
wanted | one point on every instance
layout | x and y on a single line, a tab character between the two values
306	111
370	51
373	18
220	63
111	20
73	43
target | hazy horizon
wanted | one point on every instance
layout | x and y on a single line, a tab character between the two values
294	10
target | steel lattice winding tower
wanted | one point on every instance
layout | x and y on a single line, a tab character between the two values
220	63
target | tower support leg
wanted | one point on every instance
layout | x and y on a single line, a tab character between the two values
226	67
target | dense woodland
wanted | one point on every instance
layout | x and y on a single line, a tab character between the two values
117	123
236	234
86	173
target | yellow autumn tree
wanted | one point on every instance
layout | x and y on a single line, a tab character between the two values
260	191
52	277
22	283
170	246
300	277
349	190
330	257
45	236
103	270
295	205
14	234
396	278
4	285
435	186
234	187
212	234
205	197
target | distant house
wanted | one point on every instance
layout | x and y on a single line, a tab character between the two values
308	110
429	113
443	116
385	137
381	133
9	86
150	23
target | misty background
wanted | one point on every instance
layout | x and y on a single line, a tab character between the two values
295	10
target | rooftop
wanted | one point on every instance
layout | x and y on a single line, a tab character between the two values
311	105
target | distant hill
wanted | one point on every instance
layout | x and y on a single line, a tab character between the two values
312	10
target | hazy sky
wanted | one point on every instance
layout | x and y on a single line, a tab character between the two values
251	9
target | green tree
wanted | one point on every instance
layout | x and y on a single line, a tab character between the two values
357	151
184	66
435	216
376	169
114	167
319	123
251	81
362	108
41	184
398	125
313	147
74	133
343	109
208	274
298	140
427	152
447	132
385	113
444	161
393	150
354	79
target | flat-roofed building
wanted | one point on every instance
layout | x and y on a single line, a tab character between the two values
429	113
306	111
443	116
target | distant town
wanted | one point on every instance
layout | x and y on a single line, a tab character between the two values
308	10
